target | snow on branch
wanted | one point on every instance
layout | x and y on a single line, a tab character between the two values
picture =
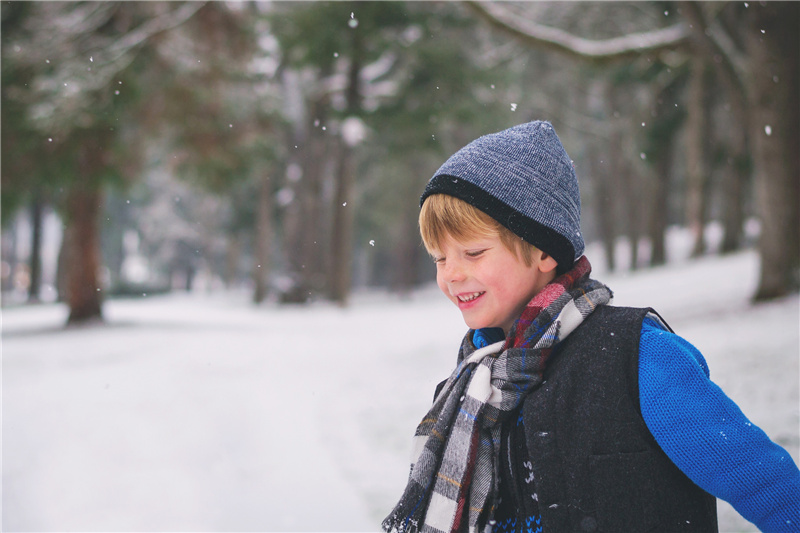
595	50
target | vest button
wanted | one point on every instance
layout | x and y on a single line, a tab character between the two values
588	524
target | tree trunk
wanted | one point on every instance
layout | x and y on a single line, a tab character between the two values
605	205
37	208
406	254
233	252
659	208
83	255
660	154
773	45
734	183
313	250
733	187
342	236
629	194
303	239
343	215
737	179
698	133
263	241
62	264
9	256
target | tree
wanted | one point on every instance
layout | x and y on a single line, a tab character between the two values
449	83
758	61
773	45
617	64
75	94
222	116
24	177
339	50
697	149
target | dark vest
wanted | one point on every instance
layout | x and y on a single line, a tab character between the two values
596	465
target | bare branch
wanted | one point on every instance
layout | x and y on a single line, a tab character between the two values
152	27
715	44
586	49
83	63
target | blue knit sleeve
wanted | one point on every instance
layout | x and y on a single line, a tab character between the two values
708	437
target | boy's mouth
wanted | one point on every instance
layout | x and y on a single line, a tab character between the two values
466	298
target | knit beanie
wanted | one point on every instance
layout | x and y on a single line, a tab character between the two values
524	179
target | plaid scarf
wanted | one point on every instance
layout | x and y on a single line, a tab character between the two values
454	471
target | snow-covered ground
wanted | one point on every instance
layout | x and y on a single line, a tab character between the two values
203	412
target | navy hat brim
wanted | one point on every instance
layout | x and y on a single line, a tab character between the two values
546	239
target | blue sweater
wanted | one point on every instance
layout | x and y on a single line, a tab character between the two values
708	437
705	433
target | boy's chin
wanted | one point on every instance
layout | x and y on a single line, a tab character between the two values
478	324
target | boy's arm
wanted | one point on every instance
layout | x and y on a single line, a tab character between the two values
708	437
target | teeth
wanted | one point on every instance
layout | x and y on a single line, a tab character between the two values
469	297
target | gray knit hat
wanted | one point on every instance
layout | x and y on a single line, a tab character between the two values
523	178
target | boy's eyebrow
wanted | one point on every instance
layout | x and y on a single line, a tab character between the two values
481	244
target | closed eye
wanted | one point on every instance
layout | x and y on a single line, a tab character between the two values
476	253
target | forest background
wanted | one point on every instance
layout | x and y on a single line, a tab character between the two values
282	146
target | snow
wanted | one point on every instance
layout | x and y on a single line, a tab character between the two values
204	412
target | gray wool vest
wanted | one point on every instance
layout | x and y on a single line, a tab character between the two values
596	465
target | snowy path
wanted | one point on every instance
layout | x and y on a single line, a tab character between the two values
204	413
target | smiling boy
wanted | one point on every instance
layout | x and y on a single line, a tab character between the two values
489	278
565	413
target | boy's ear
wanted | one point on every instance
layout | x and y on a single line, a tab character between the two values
546	263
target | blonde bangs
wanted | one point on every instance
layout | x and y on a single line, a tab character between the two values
444	216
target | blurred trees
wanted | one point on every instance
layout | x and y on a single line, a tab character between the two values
94	85
284	146
76	88
756	51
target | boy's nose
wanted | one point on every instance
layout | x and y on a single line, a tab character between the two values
454	271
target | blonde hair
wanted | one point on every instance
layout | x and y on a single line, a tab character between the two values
445	216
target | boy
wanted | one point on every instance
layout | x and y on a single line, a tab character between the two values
564	413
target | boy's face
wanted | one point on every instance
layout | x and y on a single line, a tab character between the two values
487	281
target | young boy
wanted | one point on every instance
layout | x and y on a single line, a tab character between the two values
565	413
